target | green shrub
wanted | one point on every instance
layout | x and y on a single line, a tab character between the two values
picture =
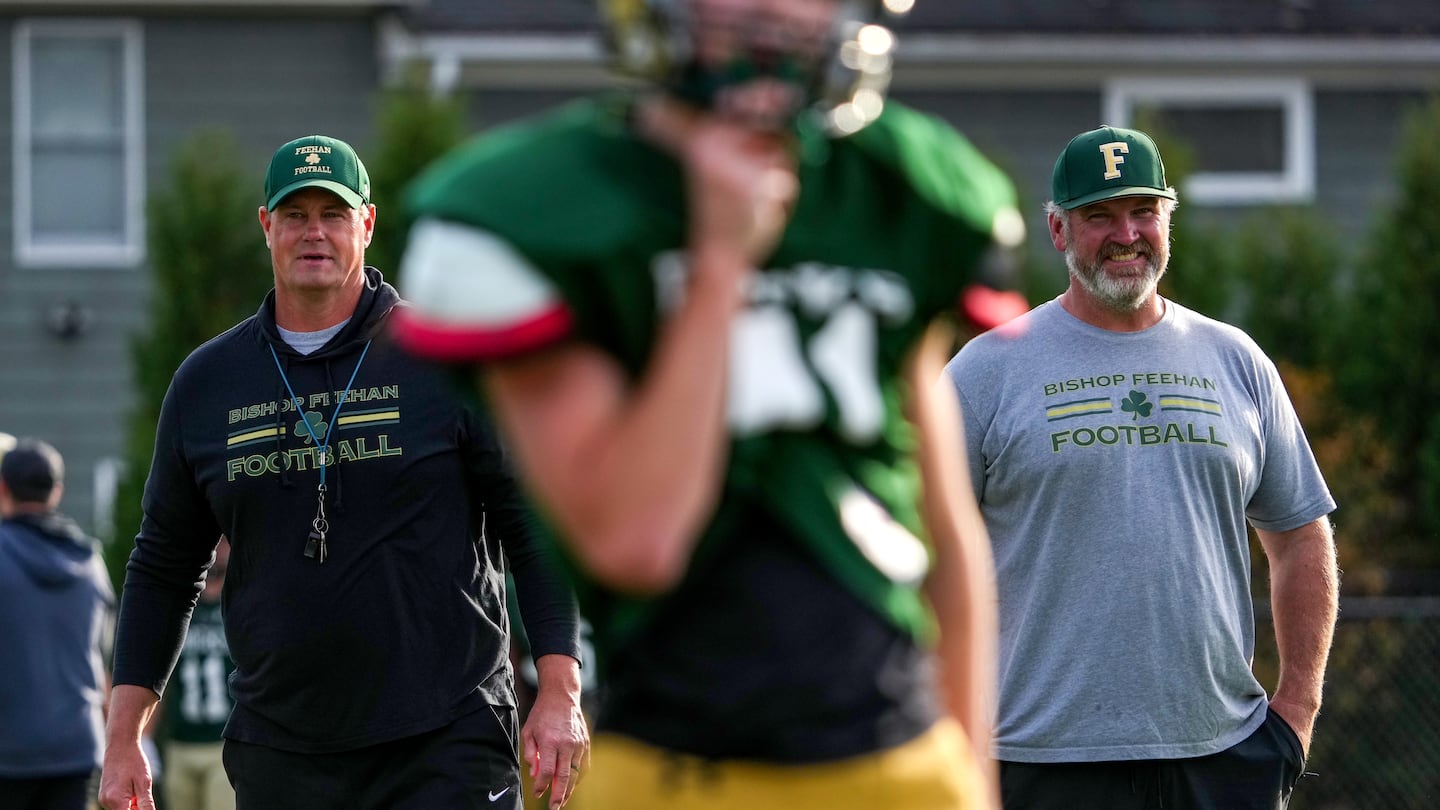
1386	361
414	128
209	269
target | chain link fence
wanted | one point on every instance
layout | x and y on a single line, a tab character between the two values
1377	741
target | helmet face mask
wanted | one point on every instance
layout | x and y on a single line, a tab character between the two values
764	63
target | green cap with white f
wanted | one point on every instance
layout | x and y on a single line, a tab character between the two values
1106	163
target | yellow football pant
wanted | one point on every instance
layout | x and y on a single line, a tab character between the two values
932	772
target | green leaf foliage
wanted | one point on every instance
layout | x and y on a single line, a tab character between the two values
1290	261
415	127
209	270
1387	362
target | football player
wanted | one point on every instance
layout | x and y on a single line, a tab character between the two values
703	311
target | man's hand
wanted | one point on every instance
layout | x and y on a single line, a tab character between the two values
125	780
556	739
1300	718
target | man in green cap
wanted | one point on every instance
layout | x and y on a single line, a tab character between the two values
1118	444
372	518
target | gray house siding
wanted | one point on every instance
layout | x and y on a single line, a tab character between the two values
1358	135
1021	130
266	81
73	393
263	80
490	107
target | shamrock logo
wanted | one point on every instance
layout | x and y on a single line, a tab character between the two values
1136	404
312	158
316	425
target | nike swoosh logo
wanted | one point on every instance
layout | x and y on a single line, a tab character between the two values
496	796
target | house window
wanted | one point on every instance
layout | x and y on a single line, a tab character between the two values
1252	140
78	172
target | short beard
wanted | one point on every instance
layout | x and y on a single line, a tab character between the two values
1117	294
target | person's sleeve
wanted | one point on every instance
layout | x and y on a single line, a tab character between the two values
1292	491
166	569
473	297
547	603
979	234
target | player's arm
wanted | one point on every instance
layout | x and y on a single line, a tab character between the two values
961	584
628	470
631	469
1304	601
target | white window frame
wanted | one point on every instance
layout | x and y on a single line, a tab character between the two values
1295	183
129	250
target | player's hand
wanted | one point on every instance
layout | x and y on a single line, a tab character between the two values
556	739
125	782
742	186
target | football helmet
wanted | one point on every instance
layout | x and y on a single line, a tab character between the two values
842	69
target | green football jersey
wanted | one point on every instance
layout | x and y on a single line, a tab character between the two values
197	699
572	227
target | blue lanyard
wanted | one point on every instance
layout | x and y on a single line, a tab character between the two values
320	527
322	449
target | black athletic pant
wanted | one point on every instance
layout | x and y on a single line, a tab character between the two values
1255	774
471	763
72	792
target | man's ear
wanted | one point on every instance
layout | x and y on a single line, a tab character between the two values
370	216
1056	221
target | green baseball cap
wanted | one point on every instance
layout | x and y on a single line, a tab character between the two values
317	161
1106	163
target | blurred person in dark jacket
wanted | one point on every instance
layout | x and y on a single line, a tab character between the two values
56	605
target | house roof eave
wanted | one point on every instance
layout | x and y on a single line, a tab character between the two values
527	59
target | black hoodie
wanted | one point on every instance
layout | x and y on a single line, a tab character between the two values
403	627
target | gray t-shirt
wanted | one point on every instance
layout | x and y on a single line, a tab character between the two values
310	342
1115	472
